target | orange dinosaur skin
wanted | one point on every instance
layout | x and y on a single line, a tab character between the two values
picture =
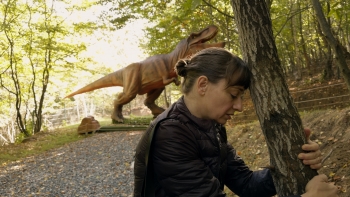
151	75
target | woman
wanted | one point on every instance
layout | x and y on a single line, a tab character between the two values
190	155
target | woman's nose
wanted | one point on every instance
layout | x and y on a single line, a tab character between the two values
238	105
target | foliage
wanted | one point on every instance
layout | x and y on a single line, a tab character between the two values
37	43
298	37
172	21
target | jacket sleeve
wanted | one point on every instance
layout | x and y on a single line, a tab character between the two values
244	182
178	167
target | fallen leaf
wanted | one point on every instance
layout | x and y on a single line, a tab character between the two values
336	178
343	190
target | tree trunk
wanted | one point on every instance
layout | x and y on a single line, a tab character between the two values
166	98
303	43
333	42
295	26
327	73
278	116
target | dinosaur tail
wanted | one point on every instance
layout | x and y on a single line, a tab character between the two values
110	80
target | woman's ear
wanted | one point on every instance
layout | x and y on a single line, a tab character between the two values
202	84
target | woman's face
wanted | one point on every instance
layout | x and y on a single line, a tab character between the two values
222	102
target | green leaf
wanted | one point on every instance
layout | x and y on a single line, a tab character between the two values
195	4
191	4
334	13
187	5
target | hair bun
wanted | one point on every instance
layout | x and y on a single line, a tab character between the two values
180	67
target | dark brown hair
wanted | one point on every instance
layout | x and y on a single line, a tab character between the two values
216	64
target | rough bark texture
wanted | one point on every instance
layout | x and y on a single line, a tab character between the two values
278	116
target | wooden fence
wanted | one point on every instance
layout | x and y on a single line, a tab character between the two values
322	96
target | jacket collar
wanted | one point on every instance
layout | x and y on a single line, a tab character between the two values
203	124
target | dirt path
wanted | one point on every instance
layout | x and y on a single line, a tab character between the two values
100	165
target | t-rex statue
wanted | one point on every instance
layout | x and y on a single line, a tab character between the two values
152	74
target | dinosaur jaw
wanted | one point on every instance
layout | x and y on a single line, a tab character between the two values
197	41
203	36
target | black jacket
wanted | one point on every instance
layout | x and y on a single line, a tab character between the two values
191	157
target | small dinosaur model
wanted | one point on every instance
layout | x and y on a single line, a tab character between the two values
151	75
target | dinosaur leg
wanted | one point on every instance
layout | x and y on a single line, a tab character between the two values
131	86
149	101
121	100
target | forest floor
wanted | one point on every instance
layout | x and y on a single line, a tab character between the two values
330	129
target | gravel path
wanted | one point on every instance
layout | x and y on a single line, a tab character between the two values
101	165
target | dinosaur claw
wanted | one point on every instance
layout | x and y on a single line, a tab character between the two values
117	118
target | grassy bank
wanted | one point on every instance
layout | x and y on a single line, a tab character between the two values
47	140
39	143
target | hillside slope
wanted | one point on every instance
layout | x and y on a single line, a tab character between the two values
330	129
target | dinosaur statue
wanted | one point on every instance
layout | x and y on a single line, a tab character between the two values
152	74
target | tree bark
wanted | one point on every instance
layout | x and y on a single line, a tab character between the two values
295	26
166	98
302	41
333	42
327	73
278	116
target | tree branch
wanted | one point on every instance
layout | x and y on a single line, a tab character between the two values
217	9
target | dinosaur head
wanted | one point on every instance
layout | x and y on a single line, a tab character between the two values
197	40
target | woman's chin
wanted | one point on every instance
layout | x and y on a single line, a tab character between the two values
222	121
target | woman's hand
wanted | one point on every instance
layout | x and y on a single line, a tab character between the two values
312	156
318	186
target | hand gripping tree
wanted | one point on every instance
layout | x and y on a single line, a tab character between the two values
278	116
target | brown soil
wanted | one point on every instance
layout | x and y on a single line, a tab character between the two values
330	129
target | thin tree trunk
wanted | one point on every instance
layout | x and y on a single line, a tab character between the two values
78	110
303	44
295	33
333	42
327	71
278	116
166	98
84	106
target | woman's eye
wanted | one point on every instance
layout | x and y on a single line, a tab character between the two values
235	97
